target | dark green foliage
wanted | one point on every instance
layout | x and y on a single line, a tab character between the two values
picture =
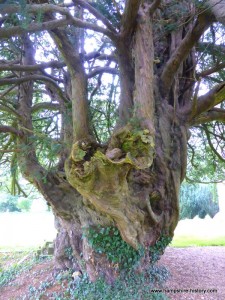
198	200
103	114
9	204
108	240
131	286
103	108
158	249
174	14
110	9
170	27
205	158
22	18
69	253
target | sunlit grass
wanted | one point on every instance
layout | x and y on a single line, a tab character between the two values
200	232
194	241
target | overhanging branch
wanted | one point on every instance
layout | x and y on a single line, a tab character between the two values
215	114
101	70
208	101
10	110
27	68
211	144
214	69
95	13
99	56
49	25
33	27
7	81
45	105
9	129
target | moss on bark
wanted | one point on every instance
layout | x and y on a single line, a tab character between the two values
101	178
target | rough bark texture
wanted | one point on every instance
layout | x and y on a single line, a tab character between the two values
218	8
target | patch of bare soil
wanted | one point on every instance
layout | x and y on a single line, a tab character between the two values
196	274
35	281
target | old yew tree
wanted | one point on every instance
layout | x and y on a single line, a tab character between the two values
97	103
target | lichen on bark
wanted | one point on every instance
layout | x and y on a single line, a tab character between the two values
101	176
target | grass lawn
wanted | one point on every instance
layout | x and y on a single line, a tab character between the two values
195	241
200	232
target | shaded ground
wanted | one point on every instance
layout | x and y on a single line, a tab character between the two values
201	269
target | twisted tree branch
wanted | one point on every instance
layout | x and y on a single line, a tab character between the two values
212	70
10	110
215	114
211	144
33	27
9	129
45	105
49	25
208	101
7	81
29	68
100	70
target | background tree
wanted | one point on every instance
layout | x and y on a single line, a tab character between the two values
198	200
97	100
9	204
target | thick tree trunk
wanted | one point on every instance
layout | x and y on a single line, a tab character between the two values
135	189
132	186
